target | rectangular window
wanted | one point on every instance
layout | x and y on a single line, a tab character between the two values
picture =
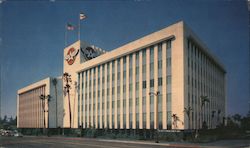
137	101
143	100
160	99
118	76
118	89
168	44
124	75
144	69
169	101
159	50
152	83
168	79
124	88
113	104
108	77
144	84
137	70
113	90
130	87
118	103
137	86
160	64
103	79
124	104
151	67
144	120
151	54
168	62
152	117
108	92
160	81
124	60
130	72
107	104
113	77
151	99
130	102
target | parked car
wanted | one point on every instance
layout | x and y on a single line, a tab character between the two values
18	134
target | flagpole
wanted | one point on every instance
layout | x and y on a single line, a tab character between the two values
79	30
66	33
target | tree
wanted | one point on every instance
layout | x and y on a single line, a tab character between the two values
176	119
5	119
204	100
230	123
188	111
237	117
218	116
67	78
54	82
245	123
213	114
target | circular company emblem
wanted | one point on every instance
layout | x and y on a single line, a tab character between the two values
71	55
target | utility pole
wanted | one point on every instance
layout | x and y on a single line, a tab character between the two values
156	114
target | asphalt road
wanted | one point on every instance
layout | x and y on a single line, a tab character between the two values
68	142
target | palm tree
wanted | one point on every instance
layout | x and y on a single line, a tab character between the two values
213	113
175	120
67	78
188	111
204	99
218	116
54	82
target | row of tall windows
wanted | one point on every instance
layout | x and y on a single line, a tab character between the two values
169	85
110	93
205	78
30	111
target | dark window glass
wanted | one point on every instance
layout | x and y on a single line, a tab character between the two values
144	84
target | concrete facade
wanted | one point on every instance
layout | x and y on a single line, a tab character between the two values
30	111
112	90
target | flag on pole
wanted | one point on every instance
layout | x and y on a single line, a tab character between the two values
70	27
82	16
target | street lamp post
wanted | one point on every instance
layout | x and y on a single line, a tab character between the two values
156	114
43	98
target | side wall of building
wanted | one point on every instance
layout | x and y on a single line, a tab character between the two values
30	111
204	76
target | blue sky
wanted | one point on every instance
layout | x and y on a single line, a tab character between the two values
32	36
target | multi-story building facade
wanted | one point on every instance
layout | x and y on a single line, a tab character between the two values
33	108
111	89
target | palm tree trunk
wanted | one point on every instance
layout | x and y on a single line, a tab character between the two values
69	111
56	106
188	122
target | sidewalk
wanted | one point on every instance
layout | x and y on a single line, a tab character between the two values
216	144
170	144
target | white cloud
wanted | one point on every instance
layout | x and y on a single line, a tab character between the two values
1	1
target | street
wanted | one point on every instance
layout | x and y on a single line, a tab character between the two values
66	142
73	142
